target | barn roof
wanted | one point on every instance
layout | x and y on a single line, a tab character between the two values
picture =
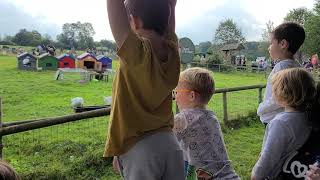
84	55
44	55
24	54
65	55
100	57
233	46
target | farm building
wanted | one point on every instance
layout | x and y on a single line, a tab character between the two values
106	62
230	52
47	62
27	61
66	61
90	62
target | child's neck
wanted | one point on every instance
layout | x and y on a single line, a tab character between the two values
290	109
285	57
197	106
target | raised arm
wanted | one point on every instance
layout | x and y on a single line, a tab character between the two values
172	20
118	20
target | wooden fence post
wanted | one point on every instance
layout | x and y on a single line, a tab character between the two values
225	108
260	95
1	143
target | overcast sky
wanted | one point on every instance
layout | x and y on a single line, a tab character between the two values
196	19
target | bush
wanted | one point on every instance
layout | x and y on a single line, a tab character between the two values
9	43
215	58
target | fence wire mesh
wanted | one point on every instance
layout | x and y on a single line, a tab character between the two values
61	148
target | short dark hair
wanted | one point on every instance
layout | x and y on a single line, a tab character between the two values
292	32
154	14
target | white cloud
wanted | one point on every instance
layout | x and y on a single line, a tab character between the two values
66	11
189	10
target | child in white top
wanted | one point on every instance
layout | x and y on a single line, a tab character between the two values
286	39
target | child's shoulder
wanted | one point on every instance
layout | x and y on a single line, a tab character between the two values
192	114
285	64
288	118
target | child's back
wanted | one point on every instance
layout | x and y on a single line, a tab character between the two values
198	129
140	131
285	134
202	141
295	90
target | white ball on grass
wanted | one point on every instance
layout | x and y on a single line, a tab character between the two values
107	100
77	102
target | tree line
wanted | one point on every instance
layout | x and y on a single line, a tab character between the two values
74	35
229	32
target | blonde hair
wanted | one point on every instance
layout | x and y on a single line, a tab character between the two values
7	172
295	88
200	81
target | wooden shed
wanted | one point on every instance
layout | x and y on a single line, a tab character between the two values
230	52
106	62
47	62
27	61
66	61
89	62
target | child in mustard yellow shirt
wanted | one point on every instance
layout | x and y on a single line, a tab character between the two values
140	129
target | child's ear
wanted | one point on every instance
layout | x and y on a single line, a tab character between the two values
284	44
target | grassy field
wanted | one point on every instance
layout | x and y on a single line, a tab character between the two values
74	150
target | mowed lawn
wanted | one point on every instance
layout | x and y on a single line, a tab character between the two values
74	150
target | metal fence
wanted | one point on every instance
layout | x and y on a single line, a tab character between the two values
33	146
247	68
232	68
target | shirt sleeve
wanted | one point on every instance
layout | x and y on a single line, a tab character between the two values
180	126
269	105
134	49
276	141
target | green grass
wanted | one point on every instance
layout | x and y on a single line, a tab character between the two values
74	150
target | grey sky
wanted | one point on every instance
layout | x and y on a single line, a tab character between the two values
12	19
195	19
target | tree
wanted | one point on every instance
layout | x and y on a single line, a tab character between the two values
299	15
27	38
228	32
311	45
204	46
7	40
46	40
22	38
77	35
36	38
85	35
317	7
108	44
267	31
264	43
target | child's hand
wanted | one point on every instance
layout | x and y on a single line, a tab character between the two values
203	175
115	165
313	173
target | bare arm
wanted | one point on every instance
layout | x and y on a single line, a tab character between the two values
172	20
118	20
